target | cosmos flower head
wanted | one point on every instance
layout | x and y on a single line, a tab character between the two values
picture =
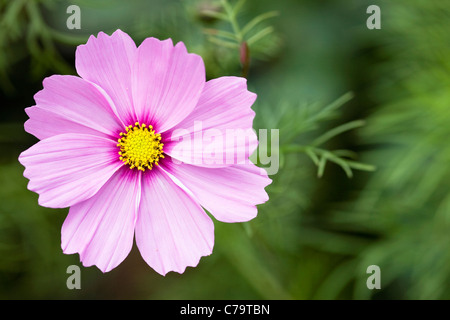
138	147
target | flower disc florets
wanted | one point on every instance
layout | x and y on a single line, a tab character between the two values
140	147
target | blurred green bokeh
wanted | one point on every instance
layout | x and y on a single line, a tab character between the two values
316	236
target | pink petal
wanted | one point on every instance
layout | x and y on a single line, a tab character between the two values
101	229
69	168
167	82
106	61
230	194
219	131
69	104
172	230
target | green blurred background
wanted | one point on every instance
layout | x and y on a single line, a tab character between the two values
318	72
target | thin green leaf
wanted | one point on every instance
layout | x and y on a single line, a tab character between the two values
223	43
231	17
255	21
345	153
238	7
333	106
221	33
215	14
336	131
259	35
321	166
343	164
361	166
312	155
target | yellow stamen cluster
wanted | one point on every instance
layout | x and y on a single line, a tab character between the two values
140	147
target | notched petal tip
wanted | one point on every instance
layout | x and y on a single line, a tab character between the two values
172	230
101	229
182	269
150	41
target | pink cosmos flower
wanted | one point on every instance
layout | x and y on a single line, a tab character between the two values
115	147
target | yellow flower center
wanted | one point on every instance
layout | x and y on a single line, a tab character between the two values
140	147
